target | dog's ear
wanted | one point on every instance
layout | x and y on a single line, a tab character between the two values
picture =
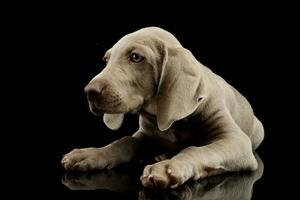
180	89
113	121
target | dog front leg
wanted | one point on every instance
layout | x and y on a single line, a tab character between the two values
118	152
232	152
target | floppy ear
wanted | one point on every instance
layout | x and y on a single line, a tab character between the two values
113	121
180	90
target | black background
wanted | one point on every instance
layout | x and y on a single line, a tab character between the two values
57	50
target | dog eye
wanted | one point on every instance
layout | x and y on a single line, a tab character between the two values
105	59
136	58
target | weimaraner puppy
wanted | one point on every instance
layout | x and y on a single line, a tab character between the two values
182	105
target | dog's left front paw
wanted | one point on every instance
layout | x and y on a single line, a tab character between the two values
166	174
88	159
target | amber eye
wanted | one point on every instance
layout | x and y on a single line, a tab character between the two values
105	59
136	58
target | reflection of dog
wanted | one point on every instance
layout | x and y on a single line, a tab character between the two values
233	186
113	180
182	104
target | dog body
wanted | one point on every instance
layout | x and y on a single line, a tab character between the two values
182	104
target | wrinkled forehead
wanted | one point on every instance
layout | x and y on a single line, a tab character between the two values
148	36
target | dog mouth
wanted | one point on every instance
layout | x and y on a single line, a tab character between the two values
94	109
100	110
112	106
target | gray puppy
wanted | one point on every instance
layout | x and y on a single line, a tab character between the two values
181	103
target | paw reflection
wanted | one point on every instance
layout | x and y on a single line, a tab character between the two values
226	187
234	186
113	180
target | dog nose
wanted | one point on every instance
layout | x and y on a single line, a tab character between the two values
94	90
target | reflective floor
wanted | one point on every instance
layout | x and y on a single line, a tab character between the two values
125	182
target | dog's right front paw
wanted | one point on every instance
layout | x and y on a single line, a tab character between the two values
87	159
166	174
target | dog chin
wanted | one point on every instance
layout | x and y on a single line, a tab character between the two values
99	111
106	110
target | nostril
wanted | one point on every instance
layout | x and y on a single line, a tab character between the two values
93	92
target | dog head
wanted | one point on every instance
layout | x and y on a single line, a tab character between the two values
143	67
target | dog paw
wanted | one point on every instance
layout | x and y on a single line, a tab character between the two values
87	159
166	174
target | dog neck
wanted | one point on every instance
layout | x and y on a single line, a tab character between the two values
151	107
